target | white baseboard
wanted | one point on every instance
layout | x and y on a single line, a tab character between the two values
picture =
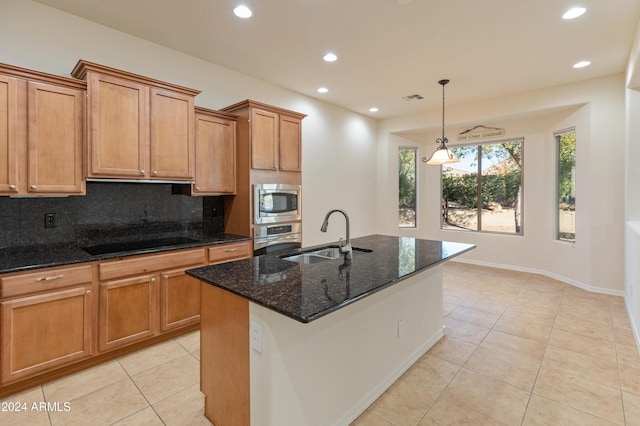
634	329
566	280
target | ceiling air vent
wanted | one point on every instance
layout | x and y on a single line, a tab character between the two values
412	98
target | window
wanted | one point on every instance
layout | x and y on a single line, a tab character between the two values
566	205
483	192
407	187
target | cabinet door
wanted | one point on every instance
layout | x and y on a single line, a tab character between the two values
215	155
179	300
55	137
44	331
8	135
290	146
118	127
127	311
172	135
264	140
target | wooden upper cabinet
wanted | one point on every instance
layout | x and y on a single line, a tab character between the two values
215	153
172	135
139	128
274	135
8	135
42	131
264	139
290	153
118	127
55	138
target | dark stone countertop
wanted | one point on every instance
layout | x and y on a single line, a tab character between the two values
16	259
306	292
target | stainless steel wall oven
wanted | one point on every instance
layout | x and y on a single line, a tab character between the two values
280	238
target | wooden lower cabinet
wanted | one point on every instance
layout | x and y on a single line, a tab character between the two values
228	252
179	300
45	331
54	319
139	298
127	311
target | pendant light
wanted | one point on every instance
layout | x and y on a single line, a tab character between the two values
442	155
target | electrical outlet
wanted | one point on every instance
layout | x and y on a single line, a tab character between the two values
256	337
50	220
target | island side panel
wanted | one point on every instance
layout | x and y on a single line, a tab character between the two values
330	370
224	356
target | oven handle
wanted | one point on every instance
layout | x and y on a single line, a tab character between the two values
266	242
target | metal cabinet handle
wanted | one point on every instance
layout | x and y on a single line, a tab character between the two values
230	250
12	187
197	188
166	277
141	172
33	187
155	172
88	292
153	280
51	278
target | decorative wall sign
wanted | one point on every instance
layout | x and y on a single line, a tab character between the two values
481	132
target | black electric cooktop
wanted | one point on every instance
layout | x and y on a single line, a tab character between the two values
136	245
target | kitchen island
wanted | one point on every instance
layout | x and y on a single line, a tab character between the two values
284	342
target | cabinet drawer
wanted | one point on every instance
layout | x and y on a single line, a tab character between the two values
44	280
227	252
150	263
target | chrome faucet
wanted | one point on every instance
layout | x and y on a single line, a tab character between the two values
343	246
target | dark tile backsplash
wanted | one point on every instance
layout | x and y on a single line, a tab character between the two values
110	211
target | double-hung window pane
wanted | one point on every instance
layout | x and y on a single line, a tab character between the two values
566	200
407	188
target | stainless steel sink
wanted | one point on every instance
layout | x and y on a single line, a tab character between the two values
319	255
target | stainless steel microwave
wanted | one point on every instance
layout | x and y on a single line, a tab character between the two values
276	202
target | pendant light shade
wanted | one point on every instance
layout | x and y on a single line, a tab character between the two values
442	154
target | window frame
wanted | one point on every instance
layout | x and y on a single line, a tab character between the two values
478	207
556	204
416	186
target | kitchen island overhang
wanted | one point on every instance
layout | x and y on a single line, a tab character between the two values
358	326
306	292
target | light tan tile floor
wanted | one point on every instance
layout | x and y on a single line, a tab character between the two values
519	349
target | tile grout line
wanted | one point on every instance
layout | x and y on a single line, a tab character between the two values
546	346
44	396
141	393
615	345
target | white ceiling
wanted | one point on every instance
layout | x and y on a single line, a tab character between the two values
387	49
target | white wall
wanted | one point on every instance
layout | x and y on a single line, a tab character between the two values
596	109
327	372
349	161
338	152
632	177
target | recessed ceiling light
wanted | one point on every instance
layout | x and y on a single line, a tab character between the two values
574	12
374	109
323	90
242	11
582	64
330	57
